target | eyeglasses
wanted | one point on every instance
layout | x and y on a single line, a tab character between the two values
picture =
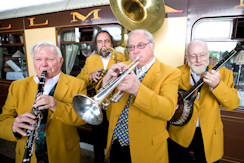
138	46
201	56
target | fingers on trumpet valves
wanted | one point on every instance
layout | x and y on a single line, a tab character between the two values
118	71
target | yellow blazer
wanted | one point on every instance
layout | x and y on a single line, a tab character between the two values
62	136
94	62
149	112
207	108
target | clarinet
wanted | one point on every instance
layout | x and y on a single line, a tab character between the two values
33	134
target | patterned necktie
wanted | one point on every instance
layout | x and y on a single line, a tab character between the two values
41	144
121	131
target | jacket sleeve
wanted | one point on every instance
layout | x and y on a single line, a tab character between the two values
225	92
160	102
84	74
7	117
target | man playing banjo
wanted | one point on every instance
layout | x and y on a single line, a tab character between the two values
203	134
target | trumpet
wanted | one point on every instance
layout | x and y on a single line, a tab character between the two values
90	109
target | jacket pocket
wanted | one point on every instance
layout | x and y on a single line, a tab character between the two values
218	129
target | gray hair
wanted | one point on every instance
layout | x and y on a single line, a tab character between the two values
38	45
197	41
145	32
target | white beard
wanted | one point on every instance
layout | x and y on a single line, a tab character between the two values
198	70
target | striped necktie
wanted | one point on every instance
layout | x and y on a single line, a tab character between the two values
121	131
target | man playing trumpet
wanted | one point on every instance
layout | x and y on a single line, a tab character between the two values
137	124
92	72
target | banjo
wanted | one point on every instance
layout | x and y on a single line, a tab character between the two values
186	99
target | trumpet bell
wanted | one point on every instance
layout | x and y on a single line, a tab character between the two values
88	109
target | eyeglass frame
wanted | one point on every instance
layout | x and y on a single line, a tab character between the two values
141	45
201	56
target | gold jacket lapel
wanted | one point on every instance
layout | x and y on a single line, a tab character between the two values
61	88
31	93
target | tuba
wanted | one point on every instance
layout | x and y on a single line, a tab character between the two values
91	91
89	109
134	14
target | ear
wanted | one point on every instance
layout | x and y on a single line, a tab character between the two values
186	56
61	60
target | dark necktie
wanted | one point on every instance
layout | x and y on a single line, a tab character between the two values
41	144
121	131
197	91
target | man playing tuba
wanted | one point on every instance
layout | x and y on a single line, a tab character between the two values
92	72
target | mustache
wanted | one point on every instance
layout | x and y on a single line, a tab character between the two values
104	53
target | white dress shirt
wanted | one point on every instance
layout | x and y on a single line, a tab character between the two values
143	69
105	61
196	78
50	83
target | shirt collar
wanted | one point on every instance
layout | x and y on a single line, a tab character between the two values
50	83
55	78
145	68
105	61
194	74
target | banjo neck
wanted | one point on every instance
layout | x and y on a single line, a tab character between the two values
238	48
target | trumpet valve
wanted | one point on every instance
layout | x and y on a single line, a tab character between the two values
116	97
120	70
105	104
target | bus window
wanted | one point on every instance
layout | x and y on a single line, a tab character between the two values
12	56
77	43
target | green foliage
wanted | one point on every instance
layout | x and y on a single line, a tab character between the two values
215	54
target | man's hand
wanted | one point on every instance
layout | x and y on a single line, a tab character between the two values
212	78
95	75
113	71
23	121
46	102
129	84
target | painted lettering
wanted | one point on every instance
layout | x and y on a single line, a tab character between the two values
83	18
241	4
32	24
4	28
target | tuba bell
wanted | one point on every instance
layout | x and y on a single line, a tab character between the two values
89	108
134	14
